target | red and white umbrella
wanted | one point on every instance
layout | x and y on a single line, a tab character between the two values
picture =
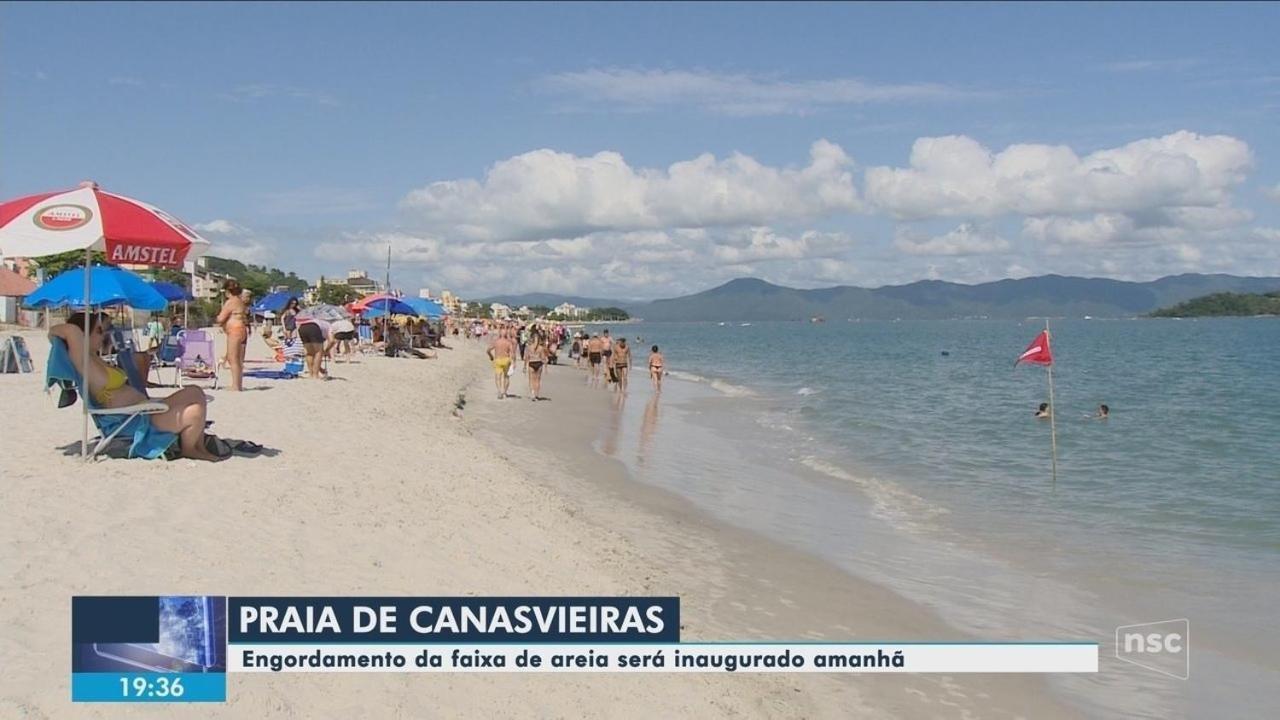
88	218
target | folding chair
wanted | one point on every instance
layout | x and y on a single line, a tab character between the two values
197	361
365	335
129	422
168	354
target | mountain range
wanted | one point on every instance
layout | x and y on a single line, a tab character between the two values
1045	295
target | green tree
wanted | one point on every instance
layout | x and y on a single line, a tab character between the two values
336	294
1225	304
60	262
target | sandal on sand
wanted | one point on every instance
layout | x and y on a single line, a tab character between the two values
217	447
245	447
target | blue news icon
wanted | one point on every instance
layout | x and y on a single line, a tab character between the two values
149	649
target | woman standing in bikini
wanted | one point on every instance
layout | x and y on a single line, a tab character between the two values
535	360
655	368
234	320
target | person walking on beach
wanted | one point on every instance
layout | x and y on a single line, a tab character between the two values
502	353
621	364
655	368
594	346
606	349
535	359
234	320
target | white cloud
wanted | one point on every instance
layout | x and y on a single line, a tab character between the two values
957	176
1272	191
220	227
546	194
967	239
1099	229
247	250
733	94
762	243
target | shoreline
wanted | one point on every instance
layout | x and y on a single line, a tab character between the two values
370	486
734	583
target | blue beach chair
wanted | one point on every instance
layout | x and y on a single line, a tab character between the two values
130	422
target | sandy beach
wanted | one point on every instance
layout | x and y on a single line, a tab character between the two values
370	485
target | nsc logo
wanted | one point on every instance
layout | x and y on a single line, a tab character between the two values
1163	646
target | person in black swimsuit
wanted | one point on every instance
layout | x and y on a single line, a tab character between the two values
312	337
535	358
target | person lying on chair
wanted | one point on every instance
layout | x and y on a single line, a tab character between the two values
110	387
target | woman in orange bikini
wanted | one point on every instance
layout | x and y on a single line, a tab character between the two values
234	320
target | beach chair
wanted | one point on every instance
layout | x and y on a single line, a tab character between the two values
197	361
125	423
168	355
365	334
125	361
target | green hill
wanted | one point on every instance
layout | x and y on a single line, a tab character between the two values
1225	304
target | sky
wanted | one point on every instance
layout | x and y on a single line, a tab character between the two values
649	150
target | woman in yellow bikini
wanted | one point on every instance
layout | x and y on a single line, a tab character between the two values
234	320
110	388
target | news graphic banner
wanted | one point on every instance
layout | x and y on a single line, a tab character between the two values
179	649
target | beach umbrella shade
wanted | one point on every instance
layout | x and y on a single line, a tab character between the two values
273	302
108	286
172	293
394	306
425	308
86	219
327	313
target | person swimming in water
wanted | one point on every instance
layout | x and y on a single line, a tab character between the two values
1043	412
1104	412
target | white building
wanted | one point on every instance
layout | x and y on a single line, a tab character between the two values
567	310
500	311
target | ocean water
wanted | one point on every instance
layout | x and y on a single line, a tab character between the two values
863	443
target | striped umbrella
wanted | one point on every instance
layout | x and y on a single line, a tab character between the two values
86	219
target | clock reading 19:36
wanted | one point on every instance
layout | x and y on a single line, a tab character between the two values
158	687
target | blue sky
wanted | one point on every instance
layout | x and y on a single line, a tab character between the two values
653	149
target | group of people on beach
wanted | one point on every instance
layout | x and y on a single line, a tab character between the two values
537	345
301	336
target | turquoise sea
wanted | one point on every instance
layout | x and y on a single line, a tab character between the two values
907	453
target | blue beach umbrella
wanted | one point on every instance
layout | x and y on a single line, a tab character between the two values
109	286
171	292
273	302
426	308
388	306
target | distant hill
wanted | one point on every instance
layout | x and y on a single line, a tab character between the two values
1225	305
1046	295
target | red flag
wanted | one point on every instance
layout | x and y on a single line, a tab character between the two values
1037	352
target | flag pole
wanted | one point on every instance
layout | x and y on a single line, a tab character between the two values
1053	414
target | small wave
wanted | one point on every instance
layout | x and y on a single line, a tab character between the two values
722	386
891	501
806	391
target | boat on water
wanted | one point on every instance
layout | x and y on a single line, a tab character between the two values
817	319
